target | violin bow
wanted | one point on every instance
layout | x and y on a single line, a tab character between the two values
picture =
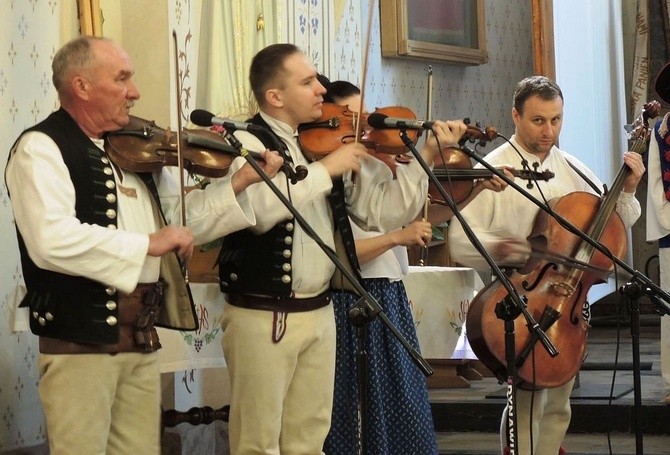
180	161
424	249
359	125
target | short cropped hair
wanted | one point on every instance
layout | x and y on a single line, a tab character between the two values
540	86
74	56
267	69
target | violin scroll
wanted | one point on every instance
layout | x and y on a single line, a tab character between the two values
639	129
476	133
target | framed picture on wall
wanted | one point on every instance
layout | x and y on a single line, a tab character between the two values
443	30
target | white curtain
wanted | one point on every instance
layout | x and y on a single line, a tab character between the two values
231	33
590	71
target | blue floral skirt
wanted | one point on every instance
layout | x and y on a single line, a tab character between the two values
399	419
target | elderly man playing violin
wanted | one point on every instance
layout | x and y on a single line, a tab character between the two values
95	253
279	327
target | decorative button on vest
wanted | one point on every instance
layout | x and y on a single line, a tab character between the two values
111	214
286	253
108	171
111	198
286	267
285	279
111	320
110	305
110	184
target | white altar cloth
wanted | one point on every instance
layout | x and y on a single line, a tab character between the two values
440	297
200	348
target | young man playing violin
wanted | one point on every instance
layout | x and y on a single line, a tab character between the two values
503	221
279	328
92	241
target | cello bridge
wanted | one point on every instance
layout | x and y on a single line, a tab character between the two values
563	289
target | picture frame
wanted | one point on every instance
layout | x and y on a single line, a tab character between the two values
452	31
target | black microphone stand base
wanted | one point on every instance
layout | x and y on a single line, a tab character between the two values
507	310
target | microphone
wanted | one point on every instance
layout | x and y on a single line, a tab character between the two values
204	118
377	120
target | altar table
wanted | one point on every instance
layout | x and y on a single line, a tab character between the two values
440	298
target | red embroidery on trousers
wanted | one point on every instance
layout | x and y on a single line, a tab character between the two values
279	321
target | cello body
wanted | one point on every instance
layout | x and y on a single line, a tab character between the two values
552	281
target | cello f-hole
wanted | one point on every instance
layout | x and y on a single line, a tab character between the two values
530	286
575	318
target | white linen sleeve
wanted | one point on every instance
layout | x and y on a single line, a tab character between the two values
43	200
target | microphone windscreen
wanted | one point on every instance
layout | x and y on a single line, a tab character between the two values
201	117
376	120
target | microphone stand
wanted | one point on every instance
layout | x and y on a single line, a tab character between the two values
634	291
365	309
638	285
507	309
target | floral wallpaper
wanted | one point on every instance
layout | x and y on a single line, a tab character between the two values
28	41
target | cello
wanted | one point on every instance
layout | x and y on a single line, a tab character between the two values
555	280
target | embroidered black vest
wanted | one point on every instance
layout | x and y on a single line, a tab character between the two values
71	307
252	263
261	264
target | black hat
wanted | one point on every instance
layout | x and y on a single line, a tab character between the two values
662	84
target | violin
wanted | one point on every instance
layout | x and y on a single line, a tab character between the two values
338	125
142	146
454	168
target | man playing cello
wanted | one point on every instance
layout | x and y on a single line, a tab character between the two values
502	222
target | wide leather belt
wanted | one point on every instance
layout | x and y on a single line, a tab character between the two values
137	313
289	305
